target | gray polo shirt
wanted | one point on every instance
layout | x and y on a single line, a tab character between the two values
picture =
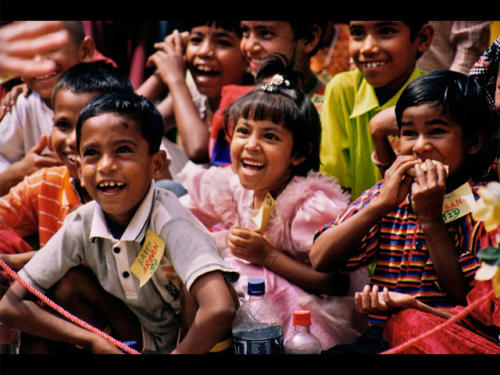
189	250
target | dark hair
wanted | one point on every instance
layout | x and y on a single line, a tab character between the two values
286	105
127	104
463	100
415	26
99	77
75	30
226	24
305	29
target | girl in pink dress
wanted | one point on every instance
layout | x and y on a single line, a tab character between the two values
263	210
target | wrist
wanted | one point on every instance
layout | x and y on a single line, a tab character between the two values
271	258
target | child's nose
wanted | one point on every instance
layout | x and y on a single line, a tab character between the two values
206	49
106	163
252	43
252	143
421	145
71	140
370	45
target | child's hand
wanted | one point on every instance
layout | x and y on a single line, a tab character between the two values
10	98
35	159
169	60
249	245
428	191
373	301
99	345
396	182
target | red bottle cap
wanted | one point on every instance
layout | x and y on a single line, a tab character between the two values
302	318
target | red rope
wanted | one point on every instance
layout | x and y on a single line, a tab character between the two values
66	313
453	319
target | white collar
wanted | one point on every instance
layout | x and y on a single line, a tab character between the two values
136	228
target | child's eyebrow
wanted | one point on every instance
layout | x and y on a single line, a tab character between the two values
437	121
386	23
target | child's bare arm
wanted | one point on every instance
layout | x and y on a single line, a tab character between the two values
382	125
171	66
17	311
251	246
214	316
427	200
375	301
334	246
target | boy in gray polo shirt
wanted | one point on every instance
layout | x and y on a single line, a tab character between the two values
144	248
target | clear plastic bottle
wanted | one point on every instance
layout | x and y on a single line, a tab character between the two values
302	341
257	326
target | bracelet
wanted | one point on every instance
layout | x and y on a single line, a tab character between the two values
378	163
273	258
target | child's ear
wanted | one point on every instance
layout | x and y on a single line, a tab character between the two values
297	160
313	39
86	50
79	171
424	37
474	148
159	164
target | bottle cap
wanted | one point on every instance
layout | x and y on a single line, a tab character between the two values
302	318
256	287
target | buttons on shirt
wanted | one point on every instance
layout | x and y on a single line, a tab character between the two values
125	274
116	250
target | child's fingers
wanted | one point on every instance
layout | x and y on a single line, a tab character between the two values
177	43
374	297
365	299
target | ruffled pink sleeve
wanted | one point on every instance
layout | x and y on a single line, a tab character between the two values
210	198
308	204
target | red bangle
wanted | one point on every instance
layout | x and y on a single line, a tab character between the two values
377	162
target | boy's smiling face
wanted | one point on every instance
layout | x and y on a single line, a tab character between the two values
384	53
64	58
214	57
67	107
116	166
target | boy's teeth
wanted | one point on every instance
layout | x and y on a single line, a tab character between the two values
48	75
373	64
111	184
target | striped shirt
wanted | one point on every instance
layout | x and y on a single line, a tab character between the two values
399	250
39	203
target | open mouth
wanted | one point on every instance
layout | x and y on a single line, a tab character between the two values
206	71
372	64
72	158
110	186
45	76
253	165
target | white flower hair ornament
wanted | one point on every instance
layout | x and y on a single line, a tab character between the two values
276	81
488	211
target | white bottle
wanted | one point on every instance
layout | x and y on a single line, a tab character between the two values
302	341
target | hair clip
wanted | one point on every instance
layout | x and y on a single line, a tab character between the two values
276	81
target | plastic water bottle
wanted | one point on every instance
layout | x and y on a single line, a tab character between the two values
257	327
302	341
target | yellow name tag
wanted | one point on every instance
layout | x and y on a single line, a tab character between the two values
458	203
149	258
264	215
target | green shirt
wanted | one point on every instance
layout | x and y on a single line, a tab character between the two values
346	144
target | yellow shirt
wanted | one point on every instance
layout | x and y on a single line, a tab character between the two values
346	144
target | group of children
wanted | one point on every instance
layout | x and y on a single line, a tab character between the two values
281	178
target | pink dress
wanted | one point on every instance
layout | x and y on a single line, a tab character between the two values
305	205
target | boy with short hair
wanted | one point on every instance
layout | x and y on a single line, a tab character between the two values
385	53
24	131
118	137
38	204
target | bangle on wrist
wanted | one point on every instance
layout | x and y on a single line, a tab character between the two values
378	163
273	256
